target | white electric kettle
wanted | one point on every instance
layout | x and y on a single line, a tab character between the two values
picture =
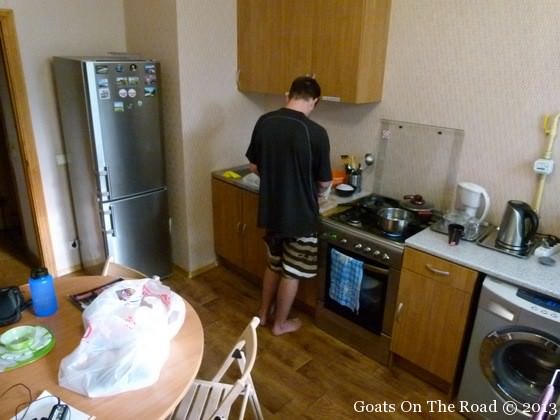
473	200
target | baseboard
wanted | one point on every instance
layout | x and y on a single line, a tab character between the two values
194	273
76	269
424	375
175	268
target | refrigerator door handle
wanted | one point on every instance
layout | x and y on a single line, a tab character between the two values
104	194
109	223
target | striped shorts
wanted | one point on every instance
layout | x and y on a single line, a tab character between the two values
293	257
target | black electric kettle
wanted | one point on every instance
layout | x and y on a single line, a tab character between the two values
518	227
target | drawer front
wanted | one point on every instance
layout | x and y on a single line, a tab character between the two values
439	269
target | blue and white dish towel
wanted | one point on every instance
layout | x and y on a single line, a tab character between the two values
346	280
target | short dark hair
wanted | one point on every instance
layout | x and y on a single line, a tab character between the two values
305	87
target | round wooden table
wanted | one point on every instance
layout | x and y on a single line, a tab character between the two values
154	402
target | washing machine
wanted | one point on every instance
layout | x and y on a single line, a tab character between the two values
513	352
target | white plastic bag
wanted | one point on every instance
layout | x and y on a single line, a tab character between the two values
128	330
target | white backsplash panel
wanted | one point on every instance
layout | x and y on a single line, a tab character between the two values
418	159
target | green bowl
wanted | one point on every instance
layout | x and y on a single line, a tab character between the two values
18	338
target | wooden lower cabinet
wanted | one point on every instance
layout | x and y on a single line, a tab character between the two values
433	309
237	238
239	241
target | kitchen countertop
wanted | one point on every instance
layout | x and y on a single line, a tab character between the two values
527	273
243	170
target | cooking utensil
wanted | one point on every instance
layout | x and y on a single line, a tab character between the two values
415	203
394	220
344	190
369	159
518	227
355	178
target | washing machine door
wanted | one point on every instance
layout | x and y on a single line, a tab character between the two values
519	362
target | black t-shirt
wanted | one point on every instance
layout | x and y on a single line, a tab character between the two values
292	155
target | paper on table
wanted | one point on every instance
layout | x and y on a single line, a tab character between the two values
42	405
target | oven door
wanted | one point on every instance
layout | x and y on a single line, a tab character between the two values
376	298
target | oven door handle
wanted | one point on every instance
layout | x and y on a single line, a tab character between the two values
375	269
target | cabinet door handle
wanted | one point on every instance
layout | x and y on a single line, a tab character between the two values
238	227
243	228
437	271
399	310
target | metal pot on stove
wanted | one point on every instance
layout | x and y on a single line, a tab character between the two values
416	204
393	220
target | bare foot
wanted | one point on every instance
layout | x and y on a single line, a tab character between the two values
288	326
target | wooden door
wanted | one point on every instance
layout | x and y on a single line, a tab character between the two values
430	323
273	43
336	40
255	250
17	91
227	207
349	48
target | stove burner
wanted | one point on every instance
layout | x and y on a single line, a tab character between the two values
354	222
363	216
393	235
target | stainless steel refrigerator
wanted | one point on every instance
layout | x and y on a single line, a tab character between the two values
111	122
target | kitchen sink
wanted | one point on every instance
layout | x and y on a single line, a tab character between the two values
242	171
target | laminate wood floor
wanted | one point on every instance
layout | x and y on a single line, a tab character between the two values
307	374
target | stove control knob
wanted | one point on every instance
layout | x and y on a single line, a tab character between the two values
376	253
358	246
343	240
367	249
385	257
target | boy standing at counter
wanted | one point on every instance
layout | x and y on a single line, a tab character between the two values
290	152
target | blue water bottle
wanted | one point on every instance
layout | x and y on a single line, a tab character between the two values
43	296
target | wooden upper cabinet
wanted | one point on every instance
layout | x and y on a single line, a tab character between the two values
349	47
342	43
273	44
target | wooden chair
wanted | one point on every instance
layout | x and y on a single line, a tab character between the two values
213	399
111	268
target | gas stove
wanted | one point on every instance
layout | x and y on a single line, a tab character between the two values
356	234
362	216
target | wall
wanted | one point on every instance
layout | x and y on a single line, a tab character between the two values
217	118
491	69
158	20
206	120
64	27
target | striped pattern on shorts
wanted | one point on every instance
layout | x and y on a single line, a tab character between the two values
294	257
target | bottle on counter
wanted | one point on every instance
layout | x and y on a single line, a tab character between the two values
43	296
